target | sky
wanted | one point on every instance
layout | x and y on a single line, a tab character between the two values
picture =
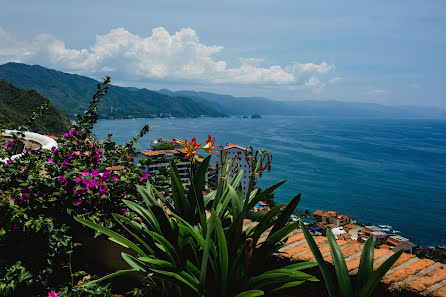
386	52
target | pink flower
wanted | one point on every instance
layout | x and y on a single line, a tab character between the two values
78	179
8	161
66	135
61	179
95	173
28	150
85	173
77	153
53	294
124	211
144	176
54	150
105	174
79	202
38	279
115	179
50	160
10	144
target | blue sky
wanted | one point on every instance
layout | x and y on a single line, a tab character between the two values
388	52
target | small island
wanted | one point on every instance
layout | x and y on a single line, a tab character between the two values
256	116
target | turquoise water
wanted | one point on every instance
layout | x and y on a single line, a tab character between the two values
390	172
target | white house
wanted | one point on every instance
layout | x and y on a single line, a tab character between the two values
238	156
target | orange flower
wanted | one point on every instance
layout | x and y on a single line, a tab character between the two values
209	146
191	147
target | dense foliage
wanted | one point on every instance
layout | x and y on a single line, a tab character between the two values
41	191
70	92
163	146
17	105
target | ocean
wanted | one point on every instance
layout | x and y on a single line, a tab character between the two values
383	171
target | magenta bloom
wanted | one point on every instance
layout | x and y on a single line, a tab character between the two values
105	174
53	294
78	179
66	135
50	160
85	173
95	173
10	144
28	150
79	202
115	179
38	279
54	150
8	161
61	179
77	153
124	211
144	176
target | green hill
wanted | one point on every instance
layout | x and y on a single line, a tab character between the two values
72	93
16	105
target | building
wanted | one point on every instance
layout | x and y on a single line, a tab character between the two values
378	234
320	216
398	242
353	230
158	163
331	217
239	157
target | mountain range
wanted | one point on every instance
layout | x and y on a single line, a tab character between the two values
17	105
72	93
249	105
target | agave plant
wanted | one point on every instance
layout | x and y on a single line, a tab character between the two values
366	280
190	251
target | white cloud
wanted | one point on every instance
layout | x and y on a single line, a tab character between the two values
160	56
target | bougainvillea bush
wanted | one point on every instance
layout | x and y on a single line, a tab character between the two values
41	191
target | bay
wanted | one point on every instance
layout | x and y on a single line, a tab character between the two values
383	171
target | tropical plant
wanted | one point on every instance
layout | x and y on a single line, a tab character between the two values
189	251
365	281
43	189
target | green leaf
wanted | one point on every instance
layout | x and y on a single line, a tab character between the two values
117	273
117	237
222	252
377	275
328	278
192	285
195	192
285	215
288	285
146	215
167	247
366	263
133	262
251	293
344	282
265	194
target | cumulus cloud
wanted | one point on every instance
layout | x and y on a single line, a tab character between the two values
161	56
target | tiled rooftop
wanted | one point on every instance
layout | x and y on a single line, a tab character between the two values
409	276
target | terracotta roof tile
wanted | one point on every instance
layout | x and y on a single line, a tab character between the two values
428	280
402	273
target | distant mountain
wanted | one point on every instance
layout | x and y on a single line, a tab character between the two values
16	105
263	106
72	93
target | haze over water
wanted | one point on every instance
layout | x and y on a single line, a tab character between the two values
383	171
